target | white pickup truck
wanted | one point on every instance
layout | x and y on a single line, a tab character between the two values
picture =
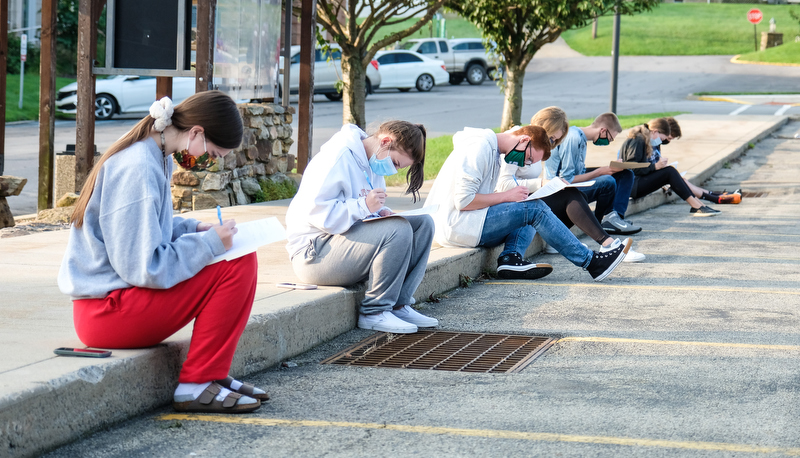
463	57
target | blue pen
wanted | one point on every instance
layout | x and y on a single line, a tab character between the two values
369	182
219	215
515	180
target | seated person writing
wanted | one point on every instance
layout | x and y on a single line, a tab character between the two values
471	214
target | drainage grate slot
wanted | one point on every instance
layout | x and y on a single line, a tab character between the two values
445	351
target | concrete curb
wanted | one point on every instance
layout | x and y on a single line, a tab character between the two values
281	326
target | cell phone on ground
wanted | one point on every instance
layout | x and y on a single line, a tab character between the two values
85	352
296	286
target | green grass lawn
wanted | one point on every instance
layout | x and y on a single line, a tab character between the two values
30	97
455	27
787	53
684	29
438	148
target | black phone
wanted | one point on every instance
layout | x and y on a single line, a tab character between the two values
86	352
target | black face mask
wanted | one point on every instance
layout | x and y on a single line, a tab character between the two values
665	142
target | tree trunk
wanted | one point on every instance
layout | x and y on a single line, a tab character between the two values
512	107
354	92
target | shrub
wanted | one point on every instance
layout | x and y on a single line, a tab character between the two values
13	62
275	190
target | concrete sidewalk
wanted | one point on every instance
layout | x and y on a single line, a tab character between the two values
47	401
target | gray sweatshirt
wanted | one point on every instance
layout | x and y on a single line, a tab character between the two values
129	236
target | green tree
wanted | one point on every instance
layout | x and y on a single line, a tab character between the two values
519	28
358	36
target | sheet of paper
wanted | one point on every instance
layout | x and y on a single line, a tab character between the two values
429	210
683	173
673	164
555	185
252	235
628	165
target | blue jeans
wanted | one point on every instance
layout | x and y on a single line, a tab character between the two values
515	224
611	192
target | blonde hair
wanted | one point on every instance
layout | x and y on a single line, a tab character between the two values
214	111
642	132
552	119
411	138
609	121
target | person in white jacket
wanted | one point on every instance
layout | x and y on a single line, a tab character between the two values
471	214
331	244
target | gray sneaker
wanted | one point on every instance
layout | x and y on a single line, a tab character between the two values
613	224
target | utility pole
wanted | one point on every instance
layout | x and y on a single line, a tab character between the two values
615	61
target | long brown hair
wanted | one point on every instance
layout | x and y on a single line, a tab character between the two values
410	138
214	111
643	132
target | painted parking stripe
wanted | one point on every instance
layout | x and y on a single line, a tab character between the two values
681	342
782	110
739	110
488	433
649	287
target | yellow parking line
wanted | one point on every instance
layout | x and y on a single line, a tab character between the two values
652	287
488	433
681	342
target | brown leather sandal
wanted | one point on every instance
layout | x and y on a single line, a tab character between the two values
206	402
246	389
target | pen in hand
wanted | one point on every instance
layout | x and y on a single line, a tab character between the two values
219	215
369	182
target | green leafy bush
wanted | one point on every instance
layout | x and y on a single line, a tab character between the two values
13	63
275	190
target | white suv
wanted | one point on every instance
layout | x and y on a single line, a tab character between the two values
326	73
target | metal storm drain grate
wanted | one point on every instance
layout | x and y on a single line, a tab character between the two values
750	195
445	351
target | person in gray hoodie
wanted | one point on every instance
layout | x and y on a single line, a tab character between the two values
471	214
137	274
333	243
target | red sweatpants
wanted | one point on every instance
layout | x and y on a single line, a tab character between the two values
218	298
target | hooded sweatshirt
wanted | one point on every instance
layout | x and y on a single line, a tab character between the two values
129	236
472	168
333	194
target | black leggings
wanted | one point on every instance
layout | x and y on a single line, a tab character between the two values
569	205
645	184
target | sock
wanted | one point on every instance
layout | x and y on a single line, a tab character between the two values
191	391
235	385
711	197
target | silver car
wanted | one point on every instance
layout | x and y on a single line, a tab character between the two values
327	73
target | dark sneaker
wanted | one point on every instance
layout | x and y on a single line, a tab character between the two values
604	263
705	210
613	224
513	267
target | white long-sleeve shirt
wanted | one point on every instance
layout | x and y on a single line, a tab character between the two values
529	176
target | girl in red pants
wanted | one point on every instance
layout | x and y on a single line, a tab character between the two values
137	274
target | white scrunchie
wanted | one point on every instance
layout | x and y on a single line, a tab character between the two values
161	111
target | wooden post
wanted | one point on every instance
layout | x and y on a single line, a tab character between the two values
47	104
204	57
163	87
3	65
84	118
305	120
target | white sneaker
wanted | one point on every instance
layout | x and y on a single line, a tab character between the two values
633	256
550	250
409	315
386	322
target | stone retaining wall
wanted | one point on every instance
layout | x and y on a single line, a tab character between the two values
234	180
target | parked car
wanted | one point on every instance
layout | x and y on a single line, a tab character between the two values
463	57
404	70
121	94
327	73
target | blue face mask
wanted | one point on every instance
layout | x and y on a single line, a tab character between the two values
655	142
383	167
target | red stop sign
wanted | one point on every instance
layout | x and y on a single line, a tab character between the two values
755	16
